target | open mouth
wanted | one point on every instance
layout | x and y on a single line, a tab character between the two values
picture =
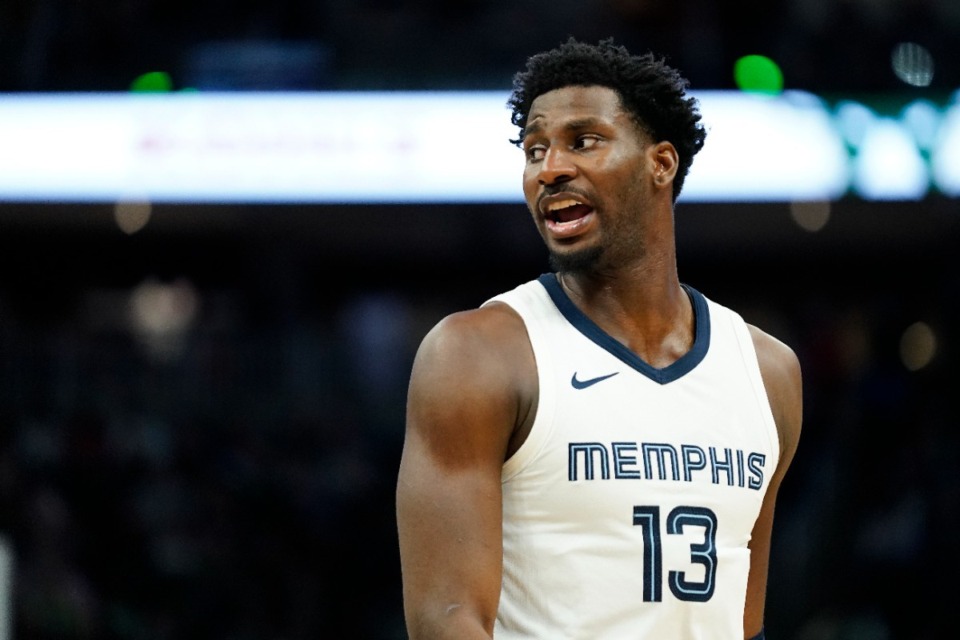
567	217
567	211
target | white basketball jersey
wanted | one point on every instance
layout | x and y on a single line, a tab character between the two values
628	509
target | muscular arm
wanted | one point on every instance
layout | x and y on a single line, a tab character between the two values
780	370
466	398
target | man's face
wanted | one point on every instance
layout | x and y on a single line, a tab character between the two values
584	177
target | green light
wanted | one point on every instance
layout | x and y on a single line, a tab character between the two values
152	82
758	74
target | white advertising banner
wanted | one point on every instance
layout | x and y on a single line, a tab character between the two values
444	147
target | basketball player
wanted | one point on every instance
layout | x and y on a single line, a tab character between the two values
596	453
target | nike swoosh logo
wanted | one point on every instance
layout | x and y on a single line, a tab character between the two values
583	384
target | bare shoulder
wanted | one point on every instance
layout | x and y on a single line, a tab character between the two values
471	383
473	347
776	358
780	369
490	330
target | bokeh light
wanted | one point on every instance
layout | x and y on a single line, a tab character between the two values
923	120
132	216
854	119
152	82
758	74
810	216
889	165
161	314
912	63
918	346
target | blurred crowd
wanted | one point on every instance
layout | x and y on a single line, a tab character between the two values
821	45
232	478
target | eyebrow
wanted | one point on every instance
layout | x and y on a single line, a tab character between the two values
576	124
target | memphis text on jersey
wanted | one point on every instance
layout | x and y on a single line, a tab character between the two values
649	460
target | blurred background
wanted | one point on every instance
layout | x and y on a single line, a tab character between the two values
201	403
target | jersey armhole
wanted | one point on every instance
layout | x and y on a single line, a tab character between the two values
527	302
752	364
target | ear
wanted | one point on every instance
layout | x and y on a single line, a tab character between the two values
664	161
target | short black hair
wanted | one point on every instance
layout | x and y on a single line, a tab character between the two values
652	91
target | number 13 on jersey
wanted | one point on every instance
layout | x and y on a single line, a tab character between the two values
704	553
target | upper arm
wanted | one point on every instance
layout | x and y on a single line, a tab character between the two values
780	369
463	406
781	374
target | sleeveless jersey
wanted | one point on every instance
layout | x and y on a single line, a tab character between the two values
628	509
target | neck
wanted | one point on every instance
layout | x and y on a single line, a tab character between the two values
642	306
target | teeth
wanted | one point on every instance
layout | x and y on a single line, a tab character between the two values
561	204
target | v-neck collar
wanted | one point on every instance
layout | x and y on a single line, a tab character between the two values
586	326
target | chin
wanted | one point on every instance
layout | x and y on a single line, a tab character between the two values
581	260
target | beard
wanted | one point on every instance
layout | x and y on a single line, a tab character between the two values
581	261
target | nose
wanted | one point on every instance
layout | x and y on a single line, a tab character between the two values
557	167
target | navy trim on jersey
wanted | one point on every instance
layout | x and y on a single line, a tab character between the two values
589	328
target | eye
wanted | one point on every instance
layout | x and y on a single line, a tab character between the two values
586	141
535	152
